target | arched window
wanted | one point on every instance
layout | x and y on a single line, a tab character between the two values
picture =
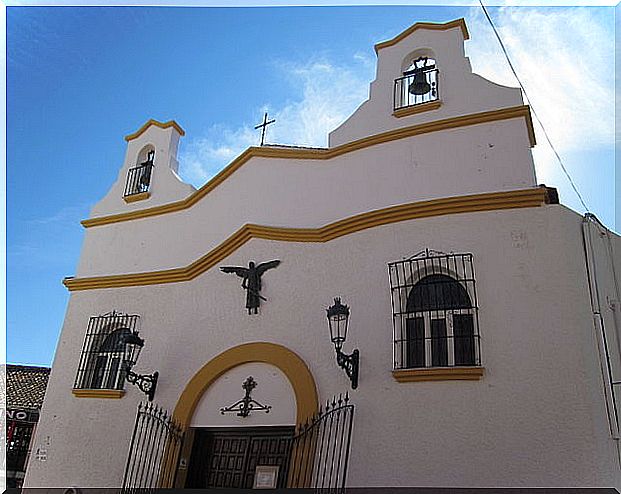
439	313
434	311
101	362
108	373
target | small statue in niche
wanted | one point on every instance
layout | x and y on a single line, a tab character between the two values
251	281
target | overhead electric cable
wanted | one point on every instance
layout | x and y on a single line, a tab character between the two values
545	133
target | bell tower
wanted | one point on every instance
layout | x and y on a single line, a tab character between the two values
148	176
423	76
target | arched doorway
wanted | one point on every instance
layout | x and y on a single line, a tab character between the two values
224	450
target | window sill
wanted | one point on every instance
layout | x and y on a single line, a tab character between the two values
438	374
98	393
412	110
137	197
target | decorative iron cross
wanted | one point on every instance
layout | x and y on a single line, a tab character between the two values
252	281
263	126
244	406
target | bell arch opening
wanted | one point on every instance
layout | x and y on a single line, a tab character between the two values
146	154
418	81
408	61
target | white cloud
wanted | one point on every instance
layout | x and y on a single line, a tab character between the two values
565	59
329	94
64	216
207	155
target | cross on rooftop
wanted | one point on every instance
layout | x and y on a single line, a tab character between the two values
263	126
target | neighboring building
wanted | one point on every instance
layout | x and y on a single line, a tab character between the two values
485	313
25	389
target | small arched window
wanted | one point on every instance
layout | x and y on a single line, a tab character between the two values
108	373
434	311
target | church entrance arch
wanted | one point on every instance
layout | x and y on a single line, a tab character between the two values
220	448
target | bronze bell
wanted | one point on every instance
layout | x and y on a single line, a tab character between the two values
419	85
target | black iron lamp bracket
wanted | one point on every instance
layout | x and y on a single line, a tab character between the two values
351	364
247	404
145	382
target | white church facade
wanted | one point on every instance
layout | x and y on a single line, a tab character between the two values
482	345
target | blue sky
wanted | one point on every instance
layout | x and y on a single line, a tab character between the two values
79	79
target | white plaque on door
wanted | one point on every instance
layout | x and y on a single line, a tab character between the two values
265	477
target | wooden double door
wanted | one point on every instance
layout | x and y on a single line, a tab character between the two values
229	457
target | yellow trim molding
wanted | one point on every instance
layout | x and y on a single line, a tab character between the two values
161	125
451	205
460	23
522	111
288	362
524	198
413	110
438	374
137	197
98	393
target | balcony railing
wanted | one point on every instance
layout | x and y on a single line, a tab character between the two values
416	87
138	179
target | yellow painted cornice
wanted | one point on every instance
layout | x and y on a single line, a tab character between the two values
460	23
438	374
524	198
522	111
98	393
137	197
161	125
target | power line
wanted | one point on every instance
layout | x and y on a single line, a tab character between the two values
545	132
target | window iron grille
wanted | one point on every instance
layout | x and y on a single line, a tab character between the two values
418	85
139	177
435	311
101	361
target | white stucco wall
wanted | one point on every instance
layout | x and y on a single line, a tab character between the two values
538	416
312	193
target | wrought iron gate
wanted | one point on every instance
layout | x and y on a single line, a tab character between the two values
154	450
320	448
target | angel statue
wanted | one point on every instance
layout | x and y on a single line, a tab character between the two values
252	281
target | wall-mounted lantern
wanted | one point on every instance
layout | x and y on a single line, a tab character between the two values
338	320
147	382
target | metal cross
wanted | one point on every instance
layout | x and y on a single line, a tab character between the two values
246	405
263	126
